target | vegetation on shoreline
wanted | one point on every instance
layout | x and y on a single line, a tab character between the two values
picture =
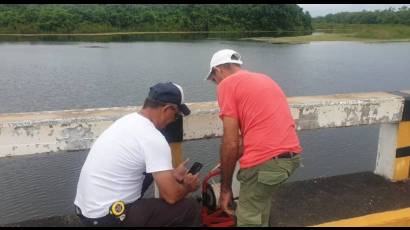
388	16
107	18
191	19
320	38
370	31
347	32
390	25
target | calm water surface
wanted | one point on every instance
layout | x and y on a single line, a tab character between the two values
55	75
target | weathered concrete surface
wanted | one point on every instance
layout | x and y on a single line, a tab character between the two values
343	110
406	91
203	122
312	202
52	131
386	151
28	133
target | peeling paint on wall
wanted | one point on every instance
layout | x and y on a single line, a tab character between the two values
51	132
77	137
29	133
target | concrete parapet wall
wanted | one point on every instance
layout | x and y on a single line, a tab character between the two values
29	133
50	131
343	110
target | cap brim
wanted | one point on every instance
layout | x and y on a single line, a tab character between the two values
184	109
208	76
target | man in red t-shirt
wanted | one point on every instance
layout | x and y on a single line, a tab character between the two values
256	118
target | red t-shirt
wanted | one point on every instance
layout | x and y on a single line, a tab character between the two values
265	120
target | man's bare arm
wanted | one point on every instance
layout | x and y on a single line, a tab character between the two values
229	151
172	191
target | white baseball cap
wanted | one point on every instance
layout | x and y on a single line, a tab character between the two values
222	57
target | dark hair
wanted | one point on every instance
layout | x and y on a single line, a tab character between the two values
151	103
228	65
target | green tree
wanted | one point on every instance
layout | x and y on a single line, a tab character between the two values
68	18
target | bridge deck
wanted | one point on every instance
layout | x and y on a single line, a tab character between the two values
314	202
318	201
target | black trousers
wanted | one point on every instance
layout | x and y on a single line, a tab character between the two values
153	212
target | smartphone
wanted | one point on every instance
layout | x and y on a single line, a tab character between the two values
195	168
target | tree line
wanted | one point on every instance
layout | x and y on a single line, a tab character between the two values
88	18
388	16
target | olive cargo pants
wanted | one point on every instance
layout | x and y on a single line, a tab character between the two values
257	186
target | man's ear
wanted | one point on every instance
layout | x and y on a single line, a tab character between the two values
161	109
166	107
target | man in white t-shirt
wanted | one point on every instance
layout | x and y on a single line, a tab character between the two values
118	161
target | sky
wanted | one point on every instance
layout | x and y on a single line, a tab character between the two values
316	10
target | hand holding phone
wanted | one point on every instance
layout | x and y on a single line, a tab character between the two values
196	167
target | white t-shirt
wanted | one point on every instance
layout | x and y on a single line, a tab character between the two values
114	167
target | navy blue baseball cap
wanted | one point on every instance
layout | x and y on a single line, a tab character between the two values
169	93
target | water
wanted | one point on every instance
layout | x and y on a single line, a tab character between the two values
55	75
